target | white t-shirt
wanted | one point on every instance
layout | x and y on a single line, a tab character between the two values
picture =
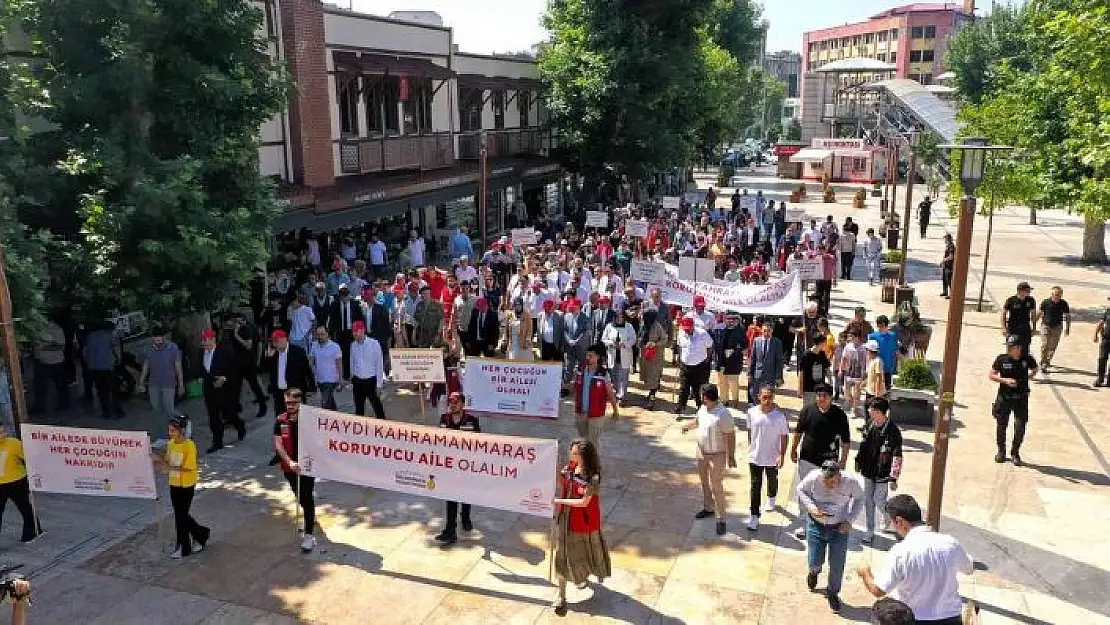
466	274
767	430
921	573
713	425
324	358
416	252
376	251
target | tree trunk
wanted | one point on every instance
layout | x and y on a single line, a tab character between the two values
1032	215
1094	240
986	254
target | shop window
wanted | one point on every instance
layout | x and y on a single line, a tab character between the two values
930	32
470	109
927	56
926	79
915	56
859	164
346	91
523	107
917	32
416	97
498	100
382	97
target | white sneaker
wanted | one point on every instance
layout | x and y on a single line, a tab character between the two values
300	526
770	507
753	522
197	547
176	555
308	543
800	533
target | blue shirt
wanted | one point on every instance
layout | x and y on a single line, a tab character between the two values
888	348
98	351
461	246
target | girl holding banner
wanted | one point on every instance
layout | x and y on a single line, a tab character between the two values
181	465
580	549
14	486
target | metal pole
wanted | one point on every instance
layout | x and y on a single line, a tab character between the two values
892	209
951	359
986	253
11	348
906	217
482	185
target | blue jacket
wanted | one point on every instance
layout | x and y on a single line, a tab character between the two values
888	348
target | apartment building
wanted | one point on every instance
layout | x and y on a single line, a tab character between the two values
387	127
913	38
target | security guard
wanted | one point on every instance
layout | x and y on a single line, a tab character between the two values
457	418
1012	371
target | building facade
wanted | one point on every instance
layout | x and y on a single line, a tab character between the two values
913	38
386	130
786	66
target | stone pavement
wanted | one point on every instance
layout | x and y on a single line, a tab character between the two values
103	560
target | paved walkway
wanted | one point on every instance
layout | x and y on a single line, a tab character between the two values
103	560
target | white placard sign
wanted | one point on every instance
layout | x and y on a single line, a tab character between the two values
671	201
696	269
636	228
597	219
648	272
516	388
505	472
79	461
525	236
781	298
748	202
806	268
417	365
794	215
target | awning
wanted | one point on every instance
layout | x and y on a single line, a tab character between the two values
392	65
853	153
811	155
496	83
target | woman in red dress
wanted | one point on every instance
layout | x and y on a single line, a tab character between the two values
580	549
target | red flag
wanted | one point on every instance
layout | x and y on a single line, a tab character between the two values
404	88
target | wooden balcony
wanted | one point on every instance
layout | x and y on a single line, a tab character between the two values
507	142
377	154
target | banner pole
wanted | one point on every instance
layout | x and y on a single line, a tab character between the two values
551	551
423	415
297	506
34	508
158	518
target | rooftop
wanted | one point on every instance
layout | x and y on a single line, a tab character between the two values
920	7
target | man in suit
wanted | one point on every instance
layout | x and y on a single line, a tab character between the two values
577	330
601	315
345	311
549	331
287	367
220	367
378	323
767	362
483	332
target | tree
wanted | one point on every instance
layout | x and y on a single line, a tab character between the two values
151	168
793	131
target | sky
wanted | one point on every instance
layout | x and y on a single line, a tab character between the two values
485	26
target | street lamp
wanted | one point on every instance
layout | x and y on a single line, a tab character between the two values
912	139
974	152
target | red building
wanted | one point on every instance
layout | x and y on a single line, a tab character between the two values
913	37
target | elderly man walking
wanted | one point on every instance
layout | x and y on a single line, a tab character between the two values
716	449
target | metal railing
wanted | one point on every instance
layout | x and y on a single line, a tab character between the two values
374	154
507	142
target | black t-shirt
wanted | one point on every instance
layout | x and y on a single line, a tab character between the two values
1106	326
292	425
1016	368
823	433
1018	319
813	368
468	423
1054	312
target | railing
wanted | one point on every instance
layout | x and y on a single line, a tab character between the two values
368	155
508	142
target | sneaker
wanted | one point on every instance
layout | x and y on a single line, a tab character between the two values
753	522
1016	457
27	541
834	603
770	507
800	533
1000	457
446	538
704	513
176	555
811	580
720	528
197	547
213	449
308	543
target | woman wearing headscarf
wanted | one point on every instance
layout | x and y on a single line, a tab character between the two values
654	338
518	332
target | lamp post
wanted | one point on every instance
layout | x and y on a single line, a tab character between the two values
912	140
974	154
483	183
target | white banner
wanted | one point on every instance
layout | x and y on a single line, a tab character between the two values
671	201
508	387
795	215
696	269
597	219
504	472
525	236
780	298
417	365
807	268
648	272
636	228
78	461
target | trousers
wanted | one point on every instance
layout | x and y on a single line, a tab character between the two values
1103	356
1050	340
453	513
19	492
822	539
729	385
1003	407
307	499
711	472
691	379
188	530
874	498
757	472
327	394
363	389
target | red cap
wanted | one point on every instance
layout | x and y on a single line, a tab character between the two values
574	303
549	305
604	299
358	325
687	323
207	333
456	396
482	303
699	301
277	335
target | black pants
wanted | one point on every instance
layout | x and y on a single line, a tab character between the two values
221	409
823	290
345	338
250	376
691	379
1026	341
548	352
945	279
308	501
1002	408
924	226
757	472
188	530
363	389
847	259
954	620
279	400
1103	356
46	375
19	492
105	384
452	516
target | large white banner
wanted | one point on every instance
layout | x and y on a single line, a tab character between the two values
77	461
509	387
780	298
504	472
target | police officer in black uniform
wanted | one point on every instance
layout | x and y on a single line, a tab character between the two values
1102	331
1017	316
1012	371
457	418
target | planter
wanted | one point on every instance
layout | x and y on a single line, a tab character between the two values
877	193
921	340
830	197
888	271
795	197
911	406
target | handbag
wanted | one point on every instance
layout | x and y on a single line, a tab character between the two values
648	353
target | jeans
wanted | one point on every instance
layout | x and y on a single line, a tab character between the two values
162	400
874	498
873	269
620	381
821	538
756	472
327	394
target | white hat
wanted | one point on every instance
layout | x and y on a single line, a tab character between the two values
871	346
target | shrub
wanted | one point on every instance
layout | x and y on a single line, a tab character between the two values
892	256
916	374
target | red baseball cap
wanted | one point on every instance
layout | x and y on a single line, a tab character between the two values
686	323
358	325
604	299
699	301
549	305
207	333
277	335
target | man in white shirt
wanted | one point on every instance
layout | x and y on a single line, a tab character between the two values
694	349
768	433
716	449
702	317
464	272
327	364
367	369
812	236
534	300
301	322
416	249
921	569
376	251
